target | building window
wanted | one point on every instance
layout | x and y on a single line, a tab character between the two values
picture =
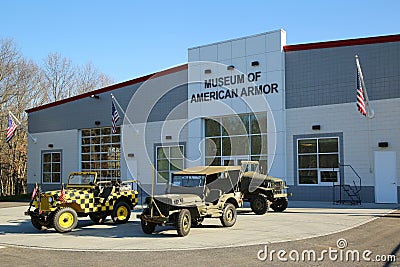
51	167
101	152
317	160
169	159
239	136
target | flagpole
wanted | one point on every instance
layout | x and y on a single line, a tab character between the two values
371	112
22	126
123	112
120	108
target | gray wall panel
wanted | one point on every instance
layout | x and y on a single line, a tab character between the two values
83	113
174	100
328	76
80	113
325	193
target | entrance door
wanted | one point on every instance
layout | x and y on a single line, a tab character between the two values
385	177
233	161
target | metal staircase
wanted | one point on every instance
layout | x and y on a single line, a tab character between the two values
345	193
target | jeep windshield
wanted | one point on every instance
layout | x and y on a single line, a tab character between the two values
188	180
250	166
81	179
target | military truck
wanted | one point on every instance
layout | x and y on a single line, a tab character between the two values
192	195
262	191
83	196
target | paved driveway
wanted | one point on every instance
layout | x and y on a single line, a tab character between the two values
301	220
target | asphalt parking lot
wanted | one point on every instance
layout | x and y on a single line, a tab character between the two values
300	221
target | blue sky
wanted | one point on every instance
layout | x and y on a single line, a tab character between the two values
128	39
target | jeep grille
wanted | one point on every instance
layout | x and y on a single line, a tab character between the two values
163	207
278	185
44	203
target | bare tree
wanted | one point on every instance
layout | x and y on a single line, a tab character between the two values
89	79
58	77
9	60
24	85
19	83
61	79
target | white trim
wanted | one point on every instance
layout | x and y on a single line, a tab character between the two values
317	168
169	160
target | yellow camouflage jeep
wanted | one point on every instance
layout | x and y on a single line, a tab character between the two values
82	196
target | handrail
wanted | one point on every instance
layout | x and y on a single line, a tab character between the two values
358	176
352	191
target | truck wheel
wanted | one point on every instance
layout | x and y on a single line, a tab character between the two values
98	217
259	204
148	227
198	221
121	212
184	222
229	215
65	219
280	204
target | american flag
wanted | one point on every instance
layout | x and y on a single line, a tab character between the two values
62	194
34	192
360	96
12	127
114	118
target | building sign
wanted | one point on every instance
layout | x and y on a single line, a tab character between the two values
237	81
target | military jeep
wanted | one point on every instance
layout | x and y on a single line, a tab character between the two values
262	191
82	196
192	195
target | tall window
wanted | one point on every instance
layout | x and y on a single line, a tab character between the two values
51	167
101	152
169	160
318	160
238	135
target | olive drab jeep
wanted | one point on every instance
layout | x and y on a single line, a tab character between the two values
192	195
82	196
262	191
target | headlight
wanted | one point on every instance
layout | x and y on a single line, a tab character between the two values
50	199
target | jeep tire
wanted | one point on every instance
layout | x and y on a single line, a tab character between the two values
198	221
259	204
279	204
184	222
65	219
41	224
36	223
229	215
148	227
121	212
98	217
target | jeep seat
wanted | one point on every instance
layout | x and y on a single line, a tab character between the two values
105	192
199	191
213	195
222	184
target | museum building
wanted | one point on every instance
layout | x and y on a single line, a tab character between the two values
291	107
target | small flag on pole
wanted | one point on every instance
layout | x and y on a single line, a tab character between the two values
62	194
34	192
12	127
360	96
114	118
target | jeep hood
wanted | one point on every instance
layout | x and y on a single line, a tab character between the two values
261	177
179	198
